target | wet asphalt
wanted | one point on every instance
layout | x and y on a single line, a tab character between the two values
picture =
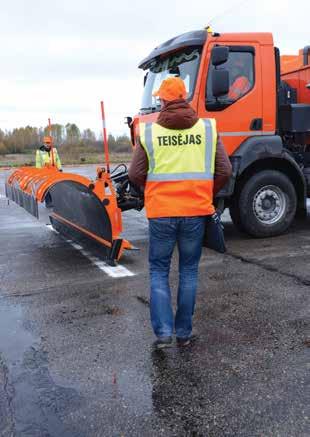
75	344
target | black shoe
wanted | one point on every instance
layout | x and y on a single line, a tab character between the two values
162	342
186	341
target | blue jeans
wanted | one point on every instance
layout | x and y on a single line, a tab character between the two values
165	233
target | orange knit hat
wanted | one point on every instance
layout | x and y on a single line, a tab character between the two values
172	88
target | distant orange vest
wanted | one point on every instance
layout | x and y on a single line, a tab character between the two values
240	87
181	169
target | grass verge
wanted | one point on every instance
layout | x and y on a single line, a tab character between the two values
25	159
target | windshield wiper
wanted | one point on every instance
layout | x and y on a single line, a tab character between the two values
150	108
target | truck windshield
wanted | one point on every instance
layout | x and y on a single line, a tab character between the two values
183	64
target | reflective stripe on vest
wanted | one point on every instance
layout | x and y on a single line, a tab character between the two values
200	140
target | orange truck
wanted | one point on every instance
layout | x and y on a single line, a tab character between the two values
261	103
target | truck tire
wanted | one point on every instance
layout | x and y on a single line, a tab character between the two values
266	204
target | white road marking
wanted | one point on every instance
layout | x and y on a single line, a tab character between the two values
115	272
2	196
50	227
76	246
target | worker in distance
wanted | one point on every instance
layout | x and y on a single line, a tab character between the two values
181	163
44	154
241	83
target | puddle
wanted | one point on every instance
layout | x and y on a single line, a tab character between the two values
37	405
14	340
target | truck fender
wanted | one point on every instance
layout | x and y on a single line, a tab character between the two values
256	148
259	150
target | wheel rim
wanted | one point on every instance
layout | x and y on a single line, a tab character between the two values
269	204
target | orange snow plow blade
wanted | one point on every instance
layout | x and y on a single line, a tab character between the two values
81	208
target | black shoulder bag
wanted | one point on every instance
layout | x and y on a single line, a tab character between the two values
214	234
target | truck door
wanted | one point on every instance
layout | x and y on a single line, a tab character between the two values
239	114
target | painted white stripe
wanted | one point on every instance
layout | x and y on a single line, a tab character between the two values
115	272
50	227
76	246
2	196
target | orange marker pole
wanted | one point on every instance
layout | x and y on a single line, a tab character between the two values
105	139
52	146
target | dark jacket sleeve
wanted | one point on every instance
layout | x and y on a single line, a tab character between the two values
138	167
222	167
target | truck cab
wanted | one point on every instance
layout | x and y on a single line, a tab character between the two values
235	78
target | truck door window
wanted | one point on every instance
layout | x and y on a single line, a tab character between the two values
240	65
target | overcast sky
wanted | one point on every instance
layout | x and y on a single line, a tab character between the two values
59	58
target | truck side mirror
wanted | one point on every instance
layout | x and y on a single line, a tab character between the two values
220	83
219	55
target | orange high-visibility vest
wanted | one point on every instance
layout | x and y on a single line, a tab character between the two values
240	87
181	169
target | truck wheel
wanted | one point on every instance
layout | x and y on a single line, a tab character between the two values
266	204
